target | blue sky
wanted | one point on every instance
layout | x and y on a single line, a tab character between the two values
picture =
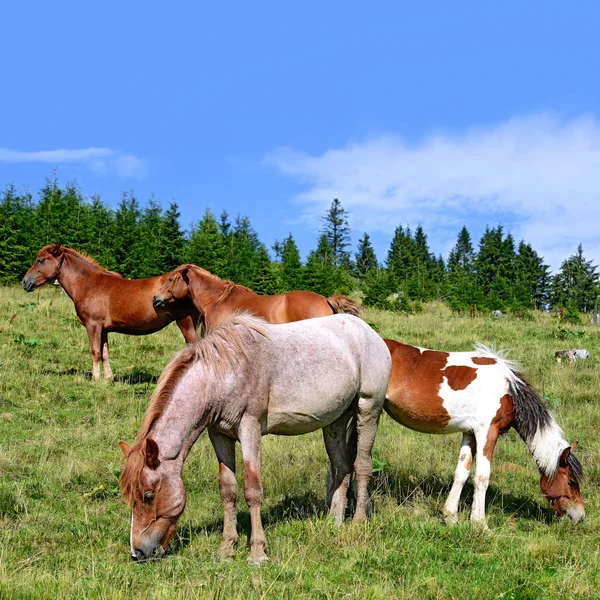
431	113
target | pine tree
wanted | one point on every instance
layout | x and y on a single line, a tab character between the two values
338	232
127	227
266	277
244	252
365	259
378	287
173	240
462	290
149	242
401	261
531	278
577	284
291	267
15	221
320	274
206	246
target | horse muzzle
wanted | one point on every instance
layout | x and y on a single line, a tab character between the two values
141	556
158	302
28	284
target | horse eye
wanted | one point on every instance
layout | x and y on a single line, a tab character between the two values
41	261
148	496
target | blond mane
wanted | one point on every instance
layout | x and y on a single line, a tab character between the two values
224	348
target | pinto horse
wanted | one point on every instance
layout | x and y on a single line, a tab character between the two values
215	299
246	379
105	302
482	395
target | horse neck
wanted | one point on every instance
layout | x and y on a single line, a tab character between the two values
183	418
546	446
73	272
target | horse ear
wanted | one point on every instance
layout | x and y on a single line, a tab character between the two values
564	456
574	445
151	453
55	250
125	448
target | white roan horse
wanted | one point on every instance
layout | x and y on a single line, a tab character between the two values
246	379
482	395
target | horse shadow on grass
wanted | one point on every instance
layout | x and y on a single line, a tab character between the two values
137	376
406	489
291	508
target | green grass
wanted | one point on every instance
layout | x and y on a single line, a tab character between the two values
64	532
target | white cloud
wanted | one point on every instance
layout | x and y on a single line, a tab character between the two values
537	175
99	160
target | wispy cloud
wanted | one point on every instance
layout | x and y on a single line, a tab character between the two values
99	160
539	175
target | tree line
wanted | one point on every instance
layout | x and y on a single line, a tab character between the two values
144	241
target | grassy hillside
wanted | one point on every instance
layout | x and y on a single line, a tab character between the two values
64	532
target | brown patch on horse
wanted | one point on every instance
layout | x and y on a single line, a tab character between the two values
224	347
460	377
412	396
483	360
500	423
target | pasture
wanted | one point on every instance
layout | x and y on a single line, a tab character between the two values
64	532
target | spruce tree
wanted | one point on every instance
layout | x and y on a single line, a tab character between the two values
266	281
206	246
320	274
577	284
173	240
15	221
462	290
338	232
291	267
244	252
365	260
127	227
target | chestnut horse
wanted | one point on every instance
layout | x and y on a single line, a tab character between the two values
215	299
246	379
482	395
104	301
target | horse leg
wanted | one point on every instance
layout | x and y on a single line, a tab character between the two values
187	328
486	442
334	436
367	419
94	332
465	458
225	450
250	439
108	374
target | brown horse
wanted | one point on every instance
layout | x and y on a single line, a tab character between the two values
216	299
482	395
105	302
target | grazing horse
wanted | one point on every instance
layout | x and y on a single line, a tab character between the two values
246	379
215	299
104	301
482	395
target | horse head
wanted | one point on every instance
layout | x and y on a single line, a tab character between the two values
155	491
174	289
562	489
45	268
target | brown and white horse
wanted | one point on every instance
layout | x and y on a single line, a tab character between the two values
216	299
105	301
482	395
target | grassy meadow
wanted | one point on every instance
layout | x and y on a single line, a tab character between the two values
64	532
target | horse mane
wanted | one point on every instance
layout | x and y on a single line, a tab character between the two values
89	259
228	286
532	419
223	349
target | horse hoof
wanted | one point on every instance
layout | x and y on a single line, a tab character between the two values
226	552
257	561
451	519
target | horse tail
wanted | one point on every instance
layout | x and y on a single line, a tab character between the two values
341	304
